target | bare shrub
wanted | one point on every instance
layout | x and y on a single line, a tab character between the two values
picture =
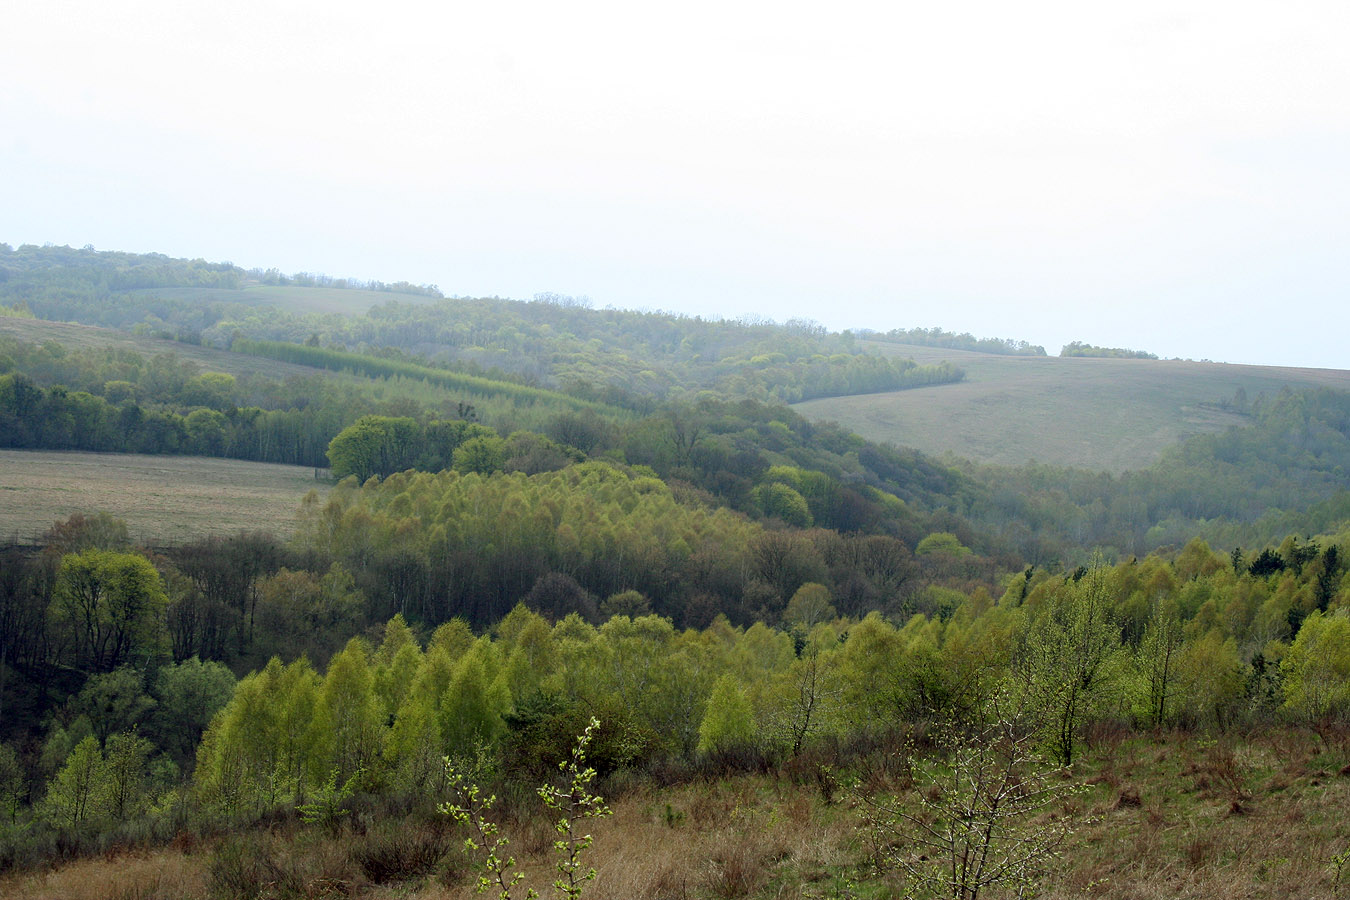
980	816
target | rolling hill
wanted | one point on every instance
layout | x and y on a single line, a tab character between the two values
1110	415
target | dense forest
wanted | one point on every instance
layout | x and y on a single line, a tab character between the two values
544	514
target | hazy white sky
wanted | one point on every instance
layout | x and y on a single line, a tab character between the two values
1170	176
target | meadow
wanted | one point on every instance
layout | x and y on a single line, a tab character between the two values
163	499
1109	415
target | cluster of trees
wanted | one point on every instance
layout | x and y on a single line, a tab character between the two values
936	337
1195	639
1078	348
369	366
451	544
772	376
275	277
60	419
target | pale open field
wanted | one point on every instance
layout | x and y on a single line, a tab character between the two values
163	499
1104	414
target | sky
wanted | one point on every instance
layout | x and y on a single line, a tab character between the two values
1168	176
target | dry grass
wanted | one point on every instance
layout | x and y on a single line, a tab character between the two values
1161	820
163	875
1105	414
163	499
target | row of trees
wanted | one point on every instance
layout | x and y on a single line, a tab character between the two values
1078	348
936	337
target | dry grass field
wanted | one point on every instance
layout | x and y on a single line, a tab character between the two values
163	499
1175	816
1103	414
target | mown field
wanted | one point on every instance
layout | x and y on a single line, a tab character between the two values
1172	815
1103	414
163	499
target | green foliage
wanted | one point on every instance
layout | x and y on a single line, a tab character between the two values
111	605
1070	658
936	337
374	367
329	806
941	542
114	701
480	455
1078	348
188	696
809	606
572	804
75	797
1316	670
729	722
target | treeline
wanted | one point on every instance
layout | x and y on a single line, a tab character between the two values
773	376
936	337
59	419
275	277
1195	640
380	367
1078	348
553	341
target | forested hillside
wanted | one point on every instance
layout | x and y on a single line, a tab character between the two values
536	513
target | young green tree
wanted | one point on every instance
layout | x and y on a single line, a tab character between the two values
124	768
350	715
476	702
1316	670
1070	657
1157	664
729	721
76	795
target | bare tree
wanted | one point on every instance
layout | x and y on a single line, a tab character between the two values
972	820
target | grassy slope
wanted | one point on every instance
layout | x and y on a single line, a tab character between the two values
1168	816
1109	414
163	499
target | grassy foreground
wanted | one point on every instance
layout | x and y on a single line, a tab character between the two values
1101	414
163	499
1178	815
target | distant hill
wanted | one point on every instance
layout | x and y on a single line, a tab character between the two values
1111	415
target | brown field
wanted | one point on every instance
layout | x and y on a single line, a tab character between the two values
163	499
1175	816
1103	414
